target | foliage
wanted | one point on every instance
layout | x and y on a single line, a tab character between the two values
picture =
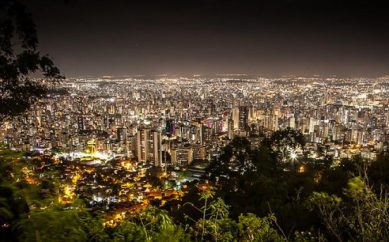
284	143
258	204
252	228
268	202
362	216
19	58
53	224
378	172
234	160
129	231
151	225
308	237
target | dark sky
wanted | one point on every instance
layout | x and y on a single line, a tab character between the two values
273	37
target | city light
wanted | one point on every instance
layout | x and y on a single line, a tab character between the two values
293	156
120	152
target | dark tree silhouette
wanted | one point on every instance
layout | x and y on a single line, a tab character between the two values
19	59
283	142
379	171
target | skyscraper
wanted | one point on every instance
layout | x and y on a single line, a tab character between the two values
235	118
142	145
292	122
80	123
149	146
244	118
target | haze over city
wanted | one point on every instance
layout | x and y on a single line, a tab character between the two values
298	37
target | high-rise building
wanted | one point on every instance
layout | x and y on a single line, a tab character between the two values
182	156
80	123
244	118
235	118
169	127
230	130
157	148
312	123
142	145
274	122
149	146
121	134
292	122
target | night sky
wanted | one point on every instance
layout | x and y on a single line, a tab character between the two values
273	37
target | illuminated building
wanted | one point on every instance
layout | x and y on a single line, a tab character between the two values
243	118
91	146
149	146
181	156
121	134
292	123
235	118
81	123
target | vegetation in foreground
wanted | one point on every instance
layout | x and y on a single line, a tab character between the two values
261	199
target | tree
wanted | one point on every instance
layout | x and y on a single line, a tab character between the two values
19	58
360	216
284	144
253	228
150	225
235	160
12	208
216	225
379	171
54	224
128	231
